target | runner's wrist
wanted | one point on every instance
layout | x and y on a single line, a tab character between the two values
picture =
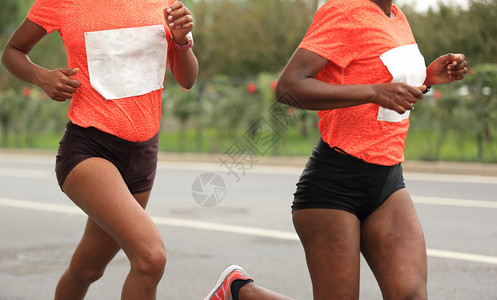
183	43
371	94
180	41
40	75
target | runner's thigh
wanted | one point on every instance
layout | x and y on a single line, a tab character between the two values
393	244
332	247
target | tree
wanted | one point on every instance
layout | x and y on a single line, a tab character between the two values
183	106
14	105
482	106
450	28
245	38
480	40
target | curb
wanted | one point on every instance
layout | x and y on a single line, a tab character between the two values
456	168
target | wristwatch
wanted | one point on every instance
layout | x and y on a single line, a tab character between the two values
188	45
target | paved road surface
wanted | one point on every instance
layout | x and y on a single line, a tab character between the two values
39	228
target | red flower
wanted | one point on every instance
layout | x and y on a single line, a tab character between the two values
274	83
251	88
26	91
437	95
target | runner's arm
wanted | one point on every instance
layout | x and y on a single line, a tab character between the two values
446	68
298	87
185	64
56	83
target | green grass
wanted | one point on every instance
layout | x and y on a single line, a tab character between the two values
38	141
210	141
455	147
419	145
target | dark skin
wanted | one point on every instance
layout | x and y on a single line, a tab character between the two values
128	227
298	82
185	66
391	238
385	5
59	85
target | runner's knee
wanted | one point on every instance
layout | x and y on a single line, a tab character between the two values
415	290
418	294
85	273
151	262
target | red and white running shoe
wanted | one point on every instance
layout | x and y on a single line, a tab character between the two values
222	289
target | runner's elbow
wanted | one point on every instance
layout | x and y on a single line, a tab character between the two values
188	83
286	92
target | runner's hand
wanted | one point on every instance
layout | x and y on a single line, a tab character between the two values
397	96
59	85
180	21
446	68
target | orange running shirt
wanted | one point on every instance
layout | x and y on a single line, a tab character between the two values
137	117
364	46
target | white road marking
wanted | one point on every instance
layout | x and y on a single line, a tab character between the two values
225	228
28	158
450	178
492	260
24	173
454	202
216	166
41	206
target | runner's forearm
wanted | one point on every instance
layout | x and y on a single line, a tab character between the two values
185	68
19	64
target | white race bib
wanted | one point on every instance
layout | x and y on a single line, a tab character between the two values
405	64
127	62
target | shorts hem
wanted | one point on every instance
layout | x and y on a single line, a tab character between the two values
141	190
323	205
68	171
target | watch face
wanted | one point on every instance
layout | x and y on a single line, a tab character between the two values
189	36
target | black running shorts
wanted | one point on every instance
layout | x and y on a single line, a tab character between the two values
333	179
136	161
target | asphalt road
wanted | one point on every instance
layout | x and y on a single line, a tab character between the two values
251	226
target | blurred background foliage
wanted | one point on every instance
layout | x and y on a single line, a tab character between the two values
242	46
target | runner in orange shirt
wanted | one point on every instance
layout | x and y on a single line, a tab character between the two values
360	67
106	163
